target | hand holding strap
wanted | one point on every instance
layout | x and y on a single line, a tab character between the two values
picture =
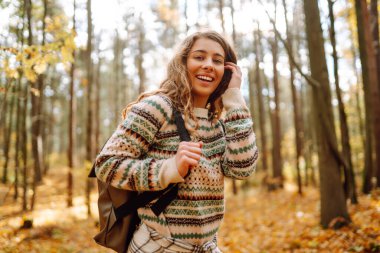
172	191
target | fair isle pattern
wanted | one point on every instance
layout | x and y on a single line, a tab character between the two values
136	157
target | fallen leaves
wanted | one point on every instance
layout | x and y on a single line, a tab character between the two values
256	221
282	221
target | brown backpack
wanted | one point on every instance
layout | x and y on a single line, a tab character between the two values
118	217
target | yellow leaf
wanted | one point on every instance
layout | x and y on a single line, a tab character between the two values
30	75
35	92
69	42
66	54
40	67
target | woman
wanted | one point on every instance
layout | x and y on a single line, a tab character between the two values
145	152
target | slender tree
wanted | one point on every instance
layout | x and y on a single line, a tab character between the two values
376	43
8	130
349	181
140	56
221	7
35	94
296	114
333	205
277	158
371	92
262	119
72	124
117	51
89	126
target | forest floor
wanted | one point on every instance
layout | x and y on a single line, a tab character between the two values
256	221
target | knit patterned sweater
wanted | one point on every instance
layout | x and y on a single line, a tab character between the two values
140	156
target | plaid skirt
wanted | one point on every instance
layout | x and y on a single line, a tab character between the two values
147	240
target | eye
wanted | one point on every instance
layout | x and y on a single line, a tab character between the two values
198	57
218	61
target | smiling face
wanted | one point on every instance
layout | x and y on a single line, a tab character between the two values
205	66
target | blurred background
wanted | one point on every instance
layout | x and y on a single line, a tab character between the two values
311	78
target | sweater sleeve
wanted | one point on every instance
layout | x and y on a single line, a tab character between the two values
124	162
240	156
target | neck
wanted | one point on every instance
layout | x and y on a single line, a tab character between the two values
200	102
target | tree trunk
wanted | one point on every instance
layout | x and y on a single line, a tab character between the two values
185	15
376	43
371	92
8	134
233	22
140	57
357	89
221	6
277	158
24	150
89	131
296	114
349	181
374	23
333	205
35	106
18	133
36	112
117	69
72	124
97	100
262	120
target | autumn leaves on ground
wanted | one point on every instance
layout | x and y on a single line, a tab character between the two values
255	221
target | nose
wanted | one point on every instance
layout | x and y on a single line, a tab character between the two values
208	65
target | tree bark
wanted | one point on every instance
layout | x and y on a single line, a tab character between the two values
89	130
371	92
233	22
117	69
296	115
333	205
18	135
24	150
262	120
72	124
374	23
221	7
35	105
185	15
376	44
8	133
277	158
349	181
140	57
97	101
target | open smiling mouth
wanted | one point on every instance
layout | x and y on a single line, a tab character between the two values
205	78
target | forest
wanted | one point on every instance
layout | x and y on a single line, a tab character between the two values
311	79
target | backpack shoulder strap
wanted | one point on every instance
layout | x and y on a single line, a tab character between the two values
182	131
171	193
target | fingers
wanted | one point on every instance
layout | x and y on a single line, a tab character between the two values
233	67
190	161
188	154
193	147
236	78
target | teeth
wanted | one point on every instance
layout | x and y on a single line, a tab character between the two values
206	78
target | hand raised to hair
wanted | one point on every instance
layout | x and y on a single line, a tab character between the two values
236	77
188	154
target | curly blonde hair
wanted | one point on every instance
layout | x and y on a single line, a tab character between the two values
177	86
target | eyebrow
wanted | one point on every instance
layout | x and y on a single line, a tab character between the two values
204	51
